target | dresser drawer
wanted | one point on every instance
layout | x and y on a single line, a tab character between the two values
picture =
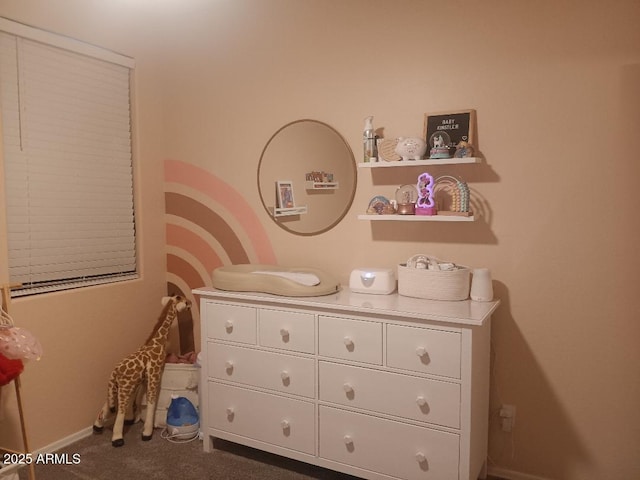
387	447
275	371
287	330
424	350
268	418
231	322
349	339
405	396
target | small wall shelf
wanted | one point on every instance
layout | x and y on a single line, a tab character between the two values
418	218
445	216
286	212
321	185
419	163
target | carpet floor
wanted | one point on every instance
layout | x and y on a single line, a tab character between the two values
93	458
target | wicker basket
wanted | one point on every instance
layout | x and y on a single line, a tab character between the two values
434	284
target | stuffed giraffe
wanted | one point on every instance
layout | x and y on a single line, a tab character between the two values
129	376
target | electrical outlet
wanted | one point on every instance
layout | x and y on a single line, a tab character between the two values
507	417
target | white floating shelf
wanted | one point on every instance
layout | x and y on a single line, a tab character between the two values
321	185
418	218
419	163
286	212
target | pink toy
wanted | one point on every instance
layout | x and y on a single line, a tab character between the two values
425	205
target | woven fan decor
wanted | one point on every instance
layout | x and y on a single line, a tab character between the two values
387	150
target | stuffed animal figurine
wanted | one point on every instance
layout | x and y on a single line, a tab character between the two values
144	365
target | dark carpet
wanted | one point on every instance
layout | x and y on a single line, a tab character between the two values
93	458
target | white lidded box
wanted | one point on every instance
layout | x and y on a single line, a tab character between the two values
378	281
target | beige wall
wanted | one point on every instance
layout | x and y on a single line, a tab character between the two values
85	332
555	86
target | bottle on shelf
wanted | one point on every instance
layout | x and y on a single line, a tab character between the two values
369	141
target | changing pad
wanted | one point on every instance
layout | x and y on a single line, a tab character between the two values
275	279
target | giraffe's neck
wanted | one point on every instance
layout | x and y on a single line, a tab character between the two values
161	334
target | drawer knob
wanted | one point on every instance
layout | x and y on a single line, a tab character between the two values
421	457
230	412
348	440
228	365
284	332
347	388
421	351
421	401
285	376
285	425
348	342
228	326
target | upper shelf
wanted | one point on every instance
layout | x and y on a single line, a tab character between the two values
423	163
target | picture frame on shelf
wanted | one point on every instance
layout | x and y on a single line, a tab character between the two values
284	194
459	126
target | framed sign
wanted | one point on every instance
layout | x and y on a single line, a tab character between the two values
284	194
459	126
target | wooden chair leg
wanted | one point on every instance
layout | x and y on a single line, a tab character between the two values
23	428
6	298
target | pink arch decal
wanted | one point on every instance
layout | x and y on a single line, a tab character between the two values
178	236
221	192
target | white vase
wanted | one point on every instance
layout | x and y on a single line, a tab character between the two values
481	285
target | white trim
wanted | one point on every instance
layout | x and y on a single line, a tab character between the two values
66	43
512	474
5	473
66	441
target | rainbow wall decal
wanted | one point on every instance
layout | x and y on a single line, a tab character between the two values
208	224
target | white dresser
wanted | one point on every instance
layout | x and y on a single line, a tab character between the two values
376	386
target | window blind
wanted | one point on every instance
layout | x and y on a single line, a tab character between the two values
66	136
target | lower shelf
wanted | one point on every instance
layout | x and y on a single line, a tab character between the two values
287	212
418	218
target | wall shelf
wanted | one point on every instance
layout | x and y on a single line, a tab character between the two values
444	216
419	163
418	218
321	185
286	212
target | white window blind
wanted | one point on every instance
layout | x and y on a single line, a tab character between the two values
66	138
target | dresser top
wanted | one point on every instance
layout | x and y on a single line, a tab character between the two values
465	312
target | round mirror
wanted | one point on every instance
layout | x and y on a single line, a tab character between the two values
307	177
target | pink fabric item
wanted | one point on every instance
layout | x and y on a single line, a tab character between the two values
18	343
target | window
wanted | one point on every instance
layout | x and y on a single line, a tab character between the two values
67	156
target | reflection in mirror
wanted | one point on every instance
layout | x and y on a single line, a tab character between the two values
307	177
